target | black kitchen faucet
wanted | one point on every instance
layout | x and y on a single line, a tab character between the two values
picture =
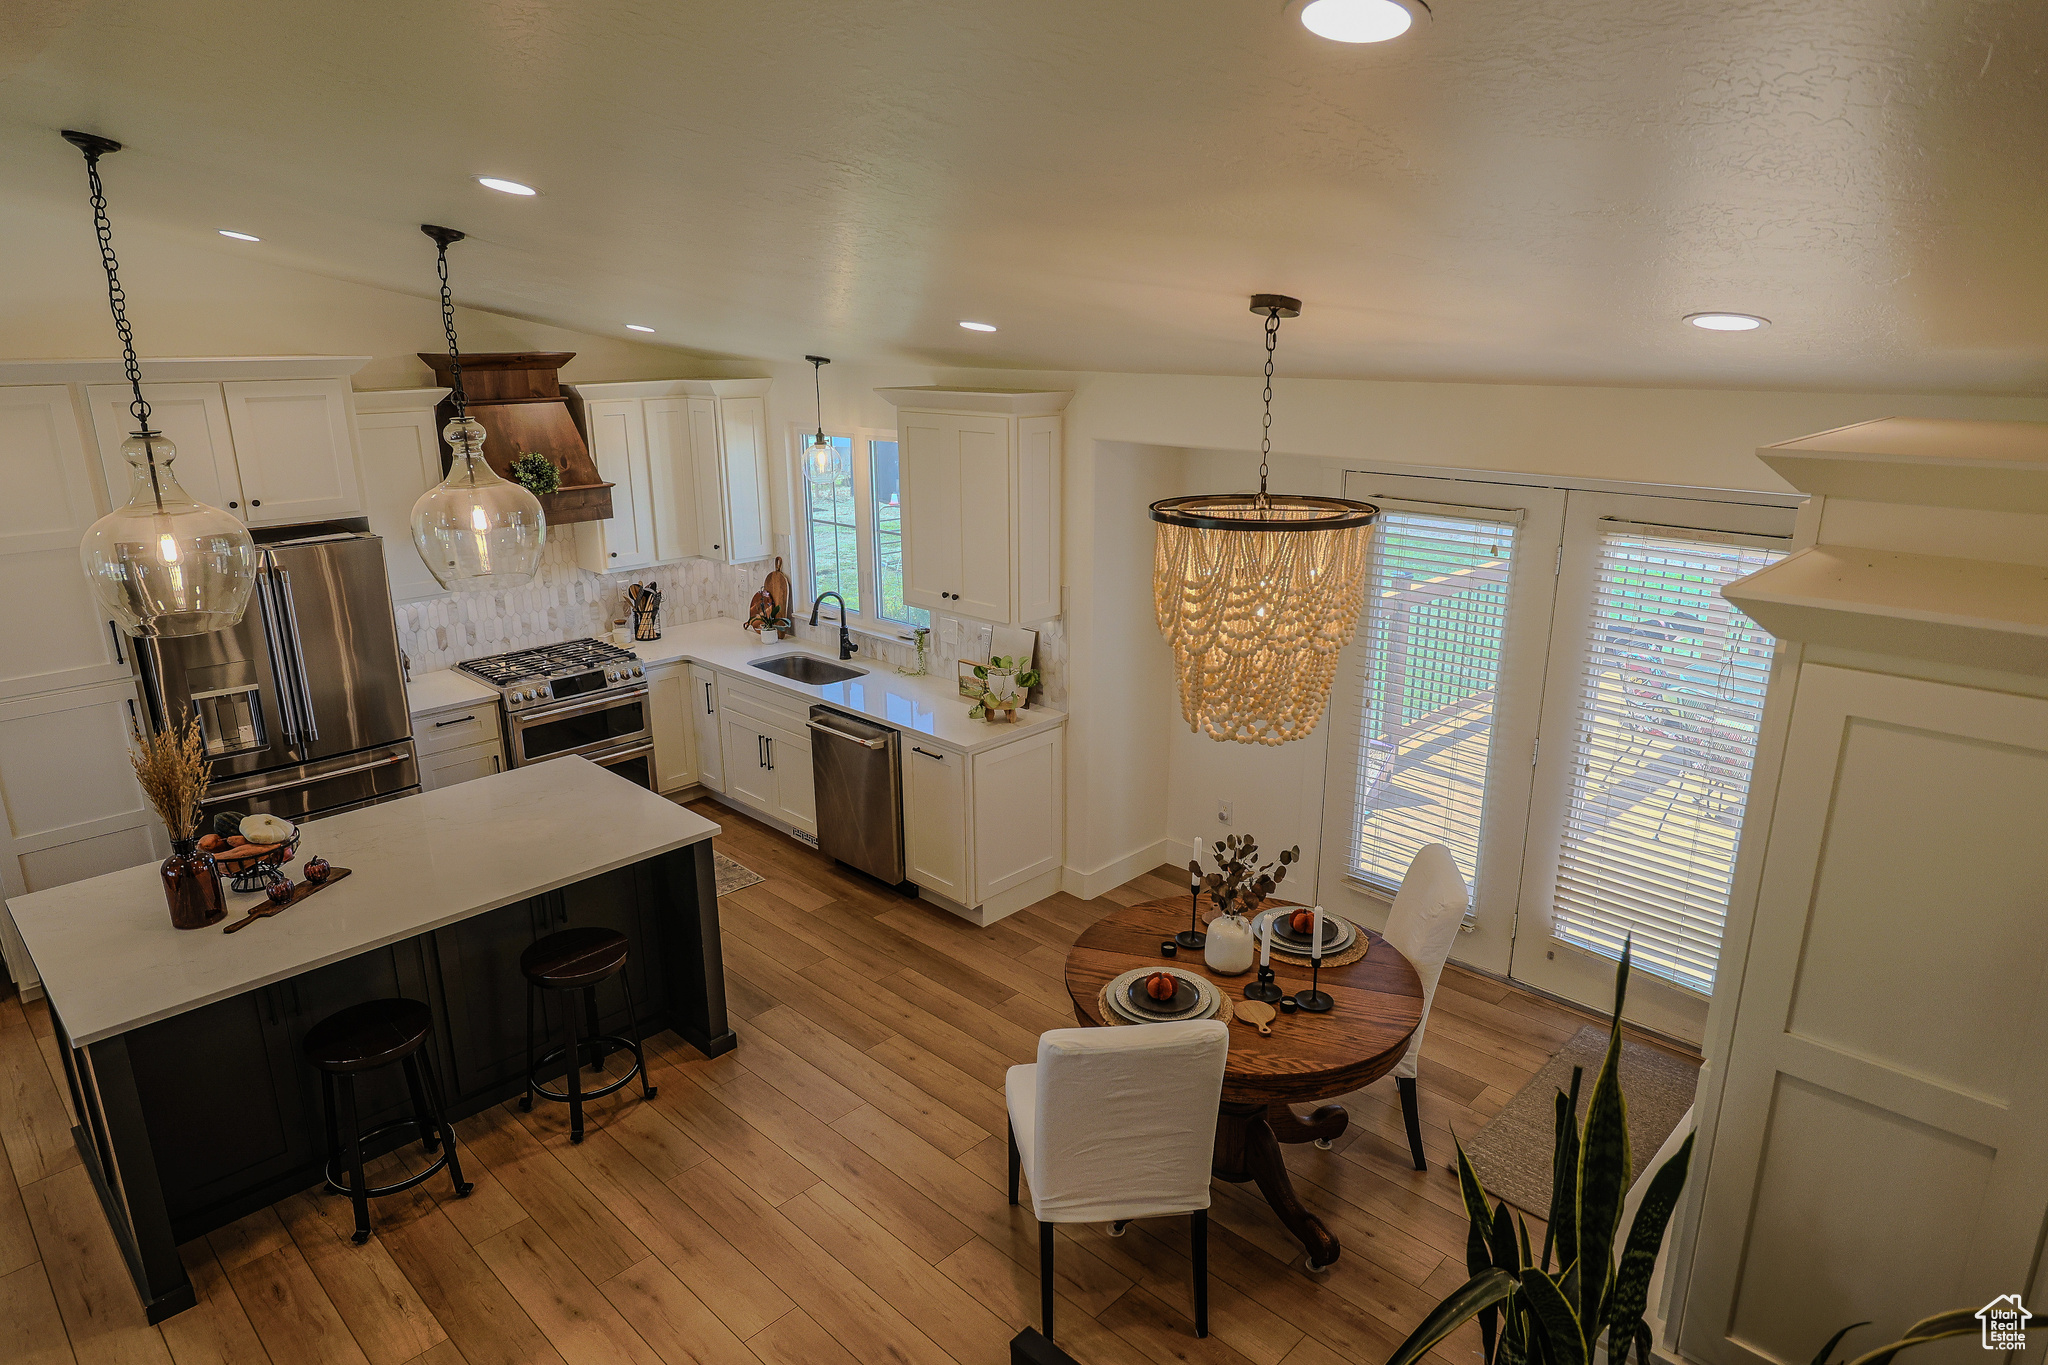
846	644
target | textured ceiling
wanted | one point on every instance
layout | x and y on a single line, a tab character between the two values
1518	190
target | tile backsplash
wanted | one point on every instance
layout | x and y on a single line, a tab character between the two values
565	602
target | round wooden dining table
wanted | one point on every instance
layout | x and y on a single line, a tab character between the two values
1309	1057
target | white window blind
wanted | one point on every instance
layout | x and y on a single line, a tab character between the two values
1436	614
1671	692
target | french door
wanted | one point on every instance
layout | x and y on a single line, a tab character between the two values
1548	682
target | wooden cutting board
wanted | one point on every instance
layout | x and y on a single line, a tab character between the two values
778	589
300	890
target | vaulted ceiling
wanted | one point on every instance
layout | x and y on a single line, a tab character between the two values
1514	190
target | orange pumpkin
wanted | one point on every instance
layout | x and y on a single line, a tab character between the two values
1302	921
1161	985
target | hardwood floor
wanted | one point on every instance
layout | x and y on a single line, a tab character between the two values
830	1192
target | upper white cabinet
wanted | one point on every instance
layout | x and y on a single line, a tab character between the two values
58	638
401	453
272	451
617	431
981	501
688	459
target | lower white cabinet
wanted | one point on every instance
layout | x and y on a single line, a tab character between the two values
675	730
935	819
768	766
458	744
701	692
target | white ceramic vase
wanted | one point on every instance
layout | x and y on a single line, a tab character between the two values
1229	949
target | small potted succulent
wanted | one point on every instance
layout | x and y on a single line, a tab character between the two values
1004	682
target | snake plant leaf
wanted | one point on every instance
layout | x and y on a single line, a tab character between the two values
1488	1289
1639	1254
1642	1344
1954	1323
1563	1226
1604	1166
1522	1231
1477	1255
1836	1340
1506	1254
1559	1324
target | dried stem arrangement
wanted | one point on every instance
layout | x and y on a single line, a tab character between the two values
172	769
1243	880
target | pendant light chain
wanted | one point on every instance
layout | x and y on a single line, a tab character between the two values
116	299
1266	438
818	394
448	325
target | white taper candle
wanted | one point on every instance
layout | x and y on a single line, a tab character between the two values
1195	877
1315	943
1266	950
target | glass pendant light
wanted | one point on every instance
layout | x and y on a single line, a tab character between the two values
164	564
1258	592
820	454
475	529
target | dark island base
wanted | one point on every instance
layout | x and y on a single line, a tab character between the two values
197	1120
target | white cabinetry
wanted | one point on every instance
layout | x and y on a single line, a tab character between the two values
458	744
935	819
401	457
55	634
1873	1138
767	754
981	501
272	451
689	461
702	696
675	730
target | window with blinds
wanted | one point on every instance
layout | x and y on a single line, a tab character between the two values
1670	693
1436	613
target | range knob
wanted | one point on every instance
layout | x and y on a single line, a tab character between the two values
636	670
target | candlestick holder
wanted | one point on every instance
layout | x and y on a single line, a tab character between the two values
1192	936
1263	988
1313	1000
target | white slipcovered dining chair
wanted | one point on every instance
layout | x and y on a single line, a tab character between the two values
1112	1124
1427	912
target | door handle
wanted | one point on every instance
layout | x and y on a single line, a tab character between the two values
115	630
459	720
927	753
497	763
305	688
760	751
850	739
769	740
707	699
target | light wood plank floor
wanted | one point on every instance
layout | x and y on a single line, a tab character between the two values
830	1192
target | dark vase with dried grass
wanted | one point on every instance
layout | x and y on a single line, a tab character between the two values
172	769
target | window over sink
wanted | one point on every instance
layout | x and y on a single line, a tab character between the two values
853	542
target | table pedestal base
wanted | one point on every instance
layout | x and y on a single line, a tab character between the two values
1248	1138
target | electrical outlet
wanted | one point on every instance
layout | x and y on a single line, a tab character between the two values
1225	811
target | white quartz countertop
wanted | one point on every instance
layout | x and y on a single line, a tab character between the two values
930	705
443	688
111	961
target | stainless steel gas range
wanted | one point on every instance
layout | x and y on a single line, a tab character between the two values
580	697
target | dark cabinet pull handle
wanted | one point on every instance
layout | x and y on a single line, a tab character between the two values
459	720
760	751
770	742
497	763
233	505
119	657
255	502
927	753
707	699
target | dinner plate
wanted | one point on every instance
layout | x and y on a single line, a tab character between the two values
1185	997
1338	933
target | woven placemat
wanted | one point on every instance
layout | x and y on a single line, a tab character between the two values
1110	1016
1355	953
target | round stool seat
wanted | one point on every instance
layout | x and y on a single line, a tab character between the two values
574	958
366	1036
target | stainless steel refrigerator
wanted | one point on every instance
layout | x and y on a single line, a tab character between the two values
302	706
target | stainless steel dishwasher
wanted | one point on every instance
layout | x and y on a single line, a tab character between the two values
859	782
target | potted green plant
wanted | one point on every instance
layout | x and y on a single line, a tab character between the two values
536	473
1004	682
1527	1310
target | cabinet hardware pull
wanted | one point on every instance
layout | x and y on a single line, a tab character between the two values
760	751
769	740
255	502
851	739
927	753
707	699
119	657
459	720
497	763
233	505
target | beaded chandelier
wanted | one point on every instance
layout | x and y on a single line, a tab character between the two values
1259	592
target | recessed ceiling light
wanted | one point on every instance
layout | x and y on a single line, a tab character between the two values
491	182
636	327
1356	21
979	326
239	236
1727	322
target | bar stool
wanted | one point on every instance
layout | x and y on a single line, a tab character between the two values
579	960
363	1038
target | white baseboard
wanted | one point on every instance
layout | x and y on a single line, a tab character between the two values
1088	885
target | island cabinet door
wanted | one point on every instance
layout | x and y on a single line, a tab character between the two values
220	1090
617	900
484	995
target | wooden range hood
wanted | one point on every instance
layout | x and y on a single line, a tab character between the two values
518	397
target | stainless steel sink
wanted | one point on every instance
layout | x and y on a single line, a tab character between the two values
808	669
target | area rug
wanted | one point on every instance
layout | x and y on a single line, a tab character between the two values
731	875
1512	1154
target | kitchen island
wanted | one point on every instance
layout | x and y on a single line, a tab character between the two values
181	1048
